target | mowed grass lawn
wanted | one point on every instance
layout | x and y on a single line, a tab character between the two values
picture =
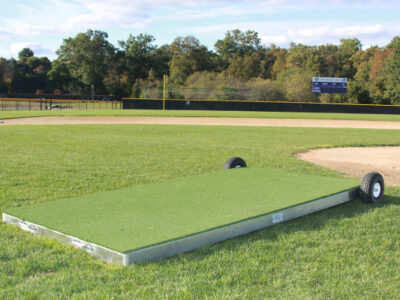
350	251
198	113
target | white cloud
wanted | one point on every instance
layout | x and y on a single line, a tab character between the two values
138	14
3	51
45	17
320	34
63	16
307	32
359	30
275	39
108	13
38	49
4	34
215	12
276	21
314	3
339	32
22	28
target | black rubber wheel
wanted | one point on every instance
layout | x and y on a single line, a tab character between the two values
372	188
235	162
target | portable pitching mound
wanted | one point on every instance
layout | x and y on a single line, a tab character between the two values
162	219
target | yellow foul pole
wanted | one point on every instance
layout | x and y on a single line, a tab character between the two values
165	90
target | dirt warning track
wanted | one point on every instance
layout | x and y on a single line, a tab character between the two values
205	121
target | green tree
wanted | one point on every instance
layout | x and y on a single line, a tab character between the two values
30	73
237	43
242	55
87	56
60	77
366	63
327	64
297	84
280	64
266	90
357	92
139	52
141	61
267	62
3	75
116	80
25	54
345	65
304	57
245	67
391	73
159	66
188	57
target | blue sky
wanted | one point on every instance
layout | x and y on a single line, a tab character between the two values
43	24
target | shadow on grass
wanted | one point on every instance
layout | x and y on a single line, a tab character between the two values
308	223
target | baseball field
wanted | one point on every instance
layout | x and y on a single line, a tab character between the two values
347	251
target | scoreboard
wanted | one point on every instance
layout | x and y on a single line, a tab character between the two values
329	85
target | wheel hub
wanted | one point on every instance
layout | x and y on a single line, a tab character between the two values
376	189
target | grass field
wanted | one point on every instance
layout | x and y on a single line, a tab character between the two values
350	251
199	113
145	215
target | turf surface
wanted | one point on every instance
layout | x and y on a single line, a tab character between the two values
133	218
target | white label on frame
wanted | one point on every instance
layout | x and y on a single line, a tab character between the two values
277	218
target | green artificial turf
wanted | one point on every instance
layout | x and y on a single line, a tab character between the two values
133	218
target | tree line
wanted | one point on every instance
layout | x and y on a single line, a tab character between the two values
240	67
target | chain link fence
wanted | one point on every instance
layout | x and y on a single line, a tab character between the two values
7	104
